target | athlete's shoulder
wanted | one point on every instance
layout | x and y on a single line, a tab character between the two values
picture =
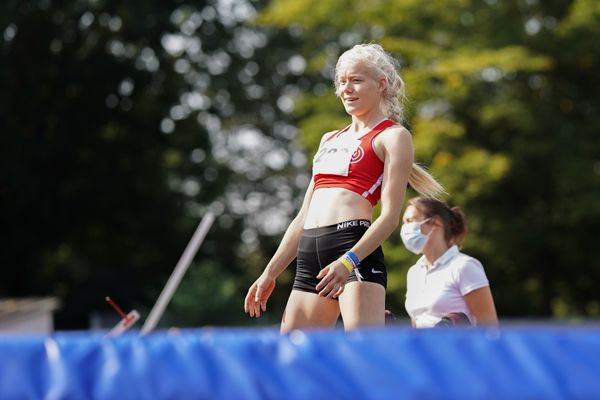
396	130
326	136
395	135
329	133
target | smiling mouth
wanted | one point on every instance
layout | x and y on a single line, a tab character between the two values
351	99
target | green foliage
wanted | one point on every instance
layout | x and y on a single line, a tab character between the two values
120	125
207	296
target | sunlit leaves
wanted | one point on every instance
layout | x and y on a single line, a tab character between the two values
468	61
583	16
471	173
311	13
432	135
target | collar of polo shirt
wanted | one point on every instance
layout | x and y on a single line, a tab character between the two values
443	259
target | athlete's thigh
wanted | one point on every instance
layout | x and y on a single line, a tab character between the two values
309	310
362	304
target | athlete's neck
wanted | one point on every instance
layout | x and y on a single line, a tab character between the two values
366	122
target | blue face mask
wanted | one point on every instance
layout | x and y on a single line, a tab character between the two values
414	240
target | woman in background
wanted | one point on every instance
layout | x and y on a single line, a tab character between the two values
445	287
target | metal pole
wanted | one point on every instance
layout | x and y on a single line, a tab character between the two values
178	272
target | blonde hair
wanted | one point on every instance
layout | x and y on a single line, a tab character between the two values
424	183
385	66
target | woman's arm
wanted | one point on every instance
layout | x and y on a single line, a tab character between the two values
481	304
261	289
395	145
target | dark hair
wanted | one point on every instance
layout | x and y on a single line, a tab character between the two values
453	218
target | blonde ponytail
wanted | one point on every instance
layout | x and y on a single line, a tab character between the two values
424	183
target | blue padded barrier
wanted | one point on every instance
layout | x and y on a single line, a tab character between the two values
390	363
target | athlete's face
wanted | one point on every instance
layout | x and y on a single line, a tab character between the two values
358	89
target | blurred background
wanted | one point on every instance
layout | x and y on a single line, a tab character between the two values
123	122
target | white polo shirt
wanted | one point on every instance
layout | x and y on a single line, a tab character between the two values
437	291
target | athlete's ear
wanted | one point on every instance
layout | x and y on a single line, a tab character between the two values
382	85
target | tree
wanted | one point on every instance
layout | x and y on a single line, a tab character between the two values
122	123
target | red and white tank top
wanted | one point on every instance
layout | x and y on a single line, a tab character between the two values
349	161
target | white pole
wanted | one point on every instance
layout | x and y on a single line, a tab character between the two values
178	272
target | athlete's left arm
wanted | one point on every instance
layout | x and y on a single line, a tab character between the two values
395	147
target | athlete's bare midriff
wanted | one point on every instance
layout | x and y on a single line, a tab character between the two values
329	206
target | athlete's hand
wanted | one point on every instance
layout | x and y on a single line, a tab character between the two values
258	294
334	279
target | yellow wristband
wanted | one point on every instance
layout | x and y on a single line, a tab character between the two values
349	266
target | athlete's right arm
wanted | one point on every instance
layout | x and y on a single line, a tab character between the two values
261	289
288	248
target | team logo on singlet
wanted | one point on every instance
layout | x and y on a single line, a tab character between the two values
358	155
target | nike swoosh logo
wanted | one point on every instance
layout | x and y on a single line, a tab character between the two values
373	270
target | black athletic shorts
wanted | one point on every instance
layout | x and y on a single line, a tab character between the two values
321	246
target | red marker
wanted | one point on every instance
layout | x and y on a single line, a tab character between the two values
117	309
126	322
